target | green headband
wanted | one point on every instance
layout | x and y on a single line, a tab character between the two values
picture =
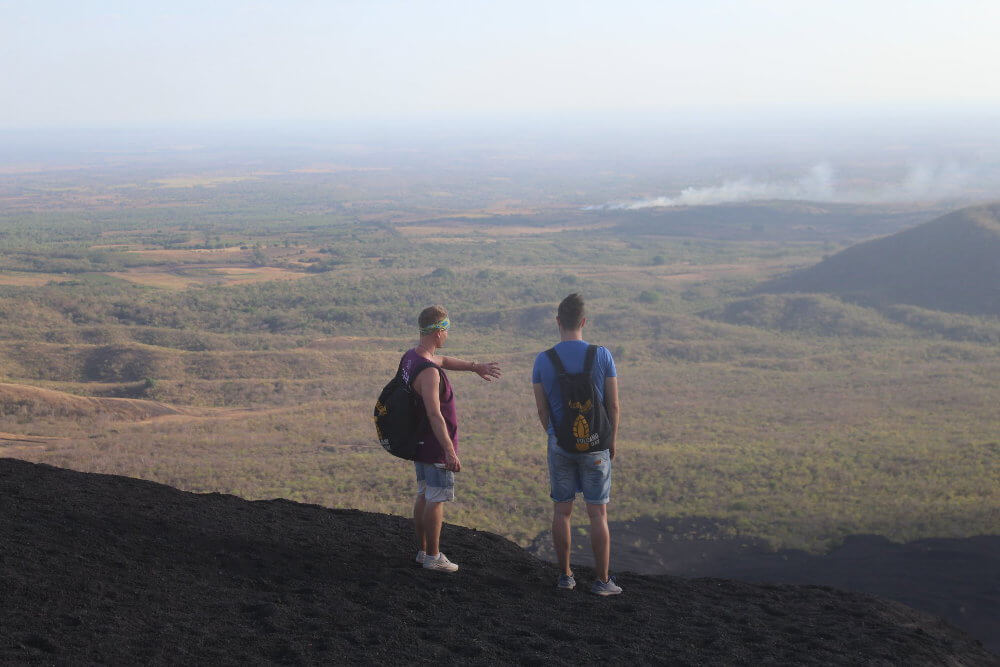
443	325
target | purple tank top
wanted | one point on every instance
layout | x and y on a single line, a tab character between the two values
430	450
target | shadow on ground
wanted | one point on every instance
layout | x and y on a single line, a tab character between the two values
957	579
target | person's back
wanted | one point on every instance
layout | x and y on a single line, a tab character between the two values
572	357
572	472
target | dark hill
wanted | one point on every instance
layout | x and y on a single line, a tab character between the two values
950	264
99	569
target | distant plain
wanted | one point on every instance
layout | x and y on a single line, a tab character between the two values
262	304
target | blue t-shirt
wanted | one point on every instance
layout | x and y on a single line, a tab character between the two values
571	353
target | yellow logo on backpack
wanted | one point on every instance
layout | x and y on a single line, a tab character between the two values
380	411
581	431
581	427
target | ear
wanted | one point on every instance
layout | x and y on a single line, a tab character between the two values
583	320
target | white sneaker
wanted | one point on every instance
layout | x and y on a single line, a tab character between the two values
421	557
439	563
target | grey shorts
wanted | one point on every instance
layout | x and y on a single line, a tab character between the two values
435	484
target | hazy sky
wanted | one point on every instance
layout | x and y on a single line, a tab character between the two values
85	63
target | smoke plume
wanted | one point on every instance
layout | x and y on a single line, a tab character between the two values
923	182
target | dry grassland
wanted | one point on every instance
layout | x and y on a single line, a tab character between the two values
850	442
195	181
158	278
245	275
37	168
336	169
182	255
182	278
476	233
35	401
710	272
30	279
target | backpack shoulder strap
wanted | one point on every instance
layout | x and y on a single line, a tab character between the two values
588	361
556	361
421	366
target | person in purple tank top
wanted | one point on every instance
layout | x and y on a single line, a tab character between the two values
437	455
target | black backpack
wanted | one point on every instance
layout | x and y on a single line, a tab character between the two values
585	426
400	416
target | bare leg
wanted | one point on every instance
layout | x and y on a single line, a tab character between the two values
433	518
561	537
418	522
600	539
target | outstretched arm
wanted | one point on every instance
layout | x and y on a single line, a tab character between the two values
489	370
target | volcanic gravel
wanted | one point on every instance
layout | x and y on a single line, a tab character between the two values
957	579
114	570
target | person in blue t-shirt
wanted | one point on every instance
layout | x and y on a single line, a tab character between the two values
569	472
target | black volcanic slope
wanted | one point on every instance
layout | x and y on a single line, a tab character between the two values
950	264
104	569
957	579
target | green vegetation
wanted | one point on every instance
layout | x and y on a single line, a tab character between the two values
270	312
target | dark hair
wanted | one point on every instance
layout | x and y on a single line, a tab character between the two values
571	312
430	315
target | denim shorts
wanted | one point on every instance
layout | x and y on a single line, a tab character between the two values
436	485
571	473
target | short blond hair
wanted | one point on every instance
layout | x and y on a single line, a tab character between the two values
431	315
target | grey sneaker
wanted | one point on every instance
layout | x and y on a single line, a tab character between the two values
608	587
440	563
566	582
421	557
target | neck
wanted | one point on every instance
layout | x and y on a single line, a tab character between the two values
576	334
427	345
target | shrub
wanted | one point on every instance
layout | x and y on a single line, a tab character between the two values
648	296
442	273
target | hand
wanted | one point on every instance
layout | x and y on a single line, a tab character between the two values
488	371
611	451
451	462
